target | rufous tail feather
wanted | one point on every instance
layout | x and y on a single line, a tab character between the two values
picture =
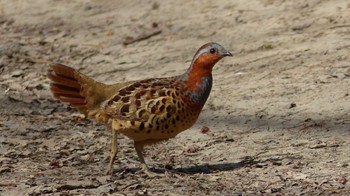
80	91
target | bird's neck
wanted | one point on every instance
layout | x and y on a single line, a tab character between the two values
198	82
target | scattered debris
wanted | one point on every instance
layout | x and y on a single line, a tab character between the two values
205	129
292	105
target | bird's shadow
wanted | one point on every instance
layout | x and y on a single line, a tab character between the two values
209	168
217	167
196	169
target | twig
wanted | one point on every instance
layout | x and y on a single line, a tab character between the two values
116	70
129	185
87	56
142	37
79	186
339	26
12	36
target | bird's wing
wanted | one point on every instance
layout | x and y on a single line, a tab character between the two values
145	101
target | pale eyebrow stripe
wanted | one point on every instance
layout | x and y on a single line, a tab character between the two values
203	50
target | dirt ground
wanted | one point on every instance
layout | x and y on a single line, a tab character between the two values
278	113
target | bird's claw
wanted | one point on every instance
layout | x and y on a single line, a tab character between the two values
144	169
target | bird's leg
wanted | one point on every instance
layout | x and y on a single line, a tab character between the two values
139	148
113	151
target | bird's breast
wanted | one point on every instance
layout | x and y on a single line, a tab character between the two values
199	93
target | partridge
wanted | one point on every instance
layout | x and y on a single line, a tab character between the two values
147	111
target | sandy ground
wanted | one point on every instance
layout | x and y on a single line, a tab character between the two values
278	112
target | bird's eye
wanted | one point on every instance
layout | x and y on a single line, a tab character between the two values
212	50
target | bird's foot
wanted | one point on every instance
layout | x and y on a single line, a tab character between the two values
148	172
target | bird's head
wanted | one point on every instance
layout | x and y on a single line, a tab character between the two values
198	77
206	57
210	52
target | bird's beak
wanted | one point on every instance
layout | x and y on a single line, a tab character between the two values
226	53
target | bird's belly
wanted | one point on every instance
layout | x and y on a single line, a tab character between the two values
163	131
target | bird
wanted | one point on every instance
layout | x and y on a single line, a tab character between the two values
147	111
